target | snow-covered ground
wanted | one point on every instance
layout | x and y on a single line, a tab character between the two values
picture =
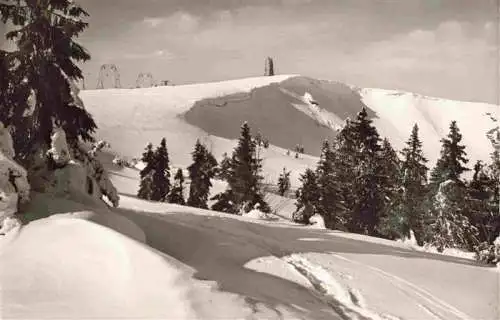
165	261
147	260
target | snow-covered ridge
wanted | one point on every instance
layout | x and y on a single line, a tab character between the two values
398	111
184	96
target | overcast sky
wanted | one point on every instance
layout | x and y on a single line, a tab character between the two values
445	48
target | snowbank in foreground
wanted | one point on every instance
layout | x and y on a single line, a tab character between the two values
72	268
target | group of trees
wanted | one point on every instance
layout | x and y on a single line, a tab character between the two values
363	186
155	176
242	172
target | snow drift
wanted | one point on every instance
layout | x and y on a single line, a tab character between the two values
67	268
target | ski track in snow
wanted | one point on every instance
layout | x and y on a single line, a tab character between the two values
348	302
410	289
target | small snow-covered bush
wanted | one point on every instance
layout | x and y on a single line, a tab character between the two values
257	214
96	170
14	186
317	221
489	253
120	162
59	151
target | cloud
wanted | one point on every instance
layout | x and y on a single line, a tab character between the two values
153	22
295	2
157	54
456	60
179	21
431	54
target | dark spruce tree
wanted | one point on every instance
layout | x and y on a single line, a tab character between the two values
14	95
413	208
485	193
45	65
345	149
307	197
494	173
367	187
485	215
176	194
453	159
245	179
201	171
451	204
330	203
284	182
161	173
146	174
390	217
224	171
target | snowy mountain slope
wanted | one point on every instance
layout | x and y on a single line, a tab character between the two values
130	118
289	110
281	111
397	112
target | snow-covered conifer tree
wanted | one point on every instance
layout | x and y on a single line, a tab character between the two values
224	171
161	174
452	204
176	195
413	184
307	197
369	196
201	171
284	182
245	179
44	65
453	159
146	174
391	217
345	149
330	203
